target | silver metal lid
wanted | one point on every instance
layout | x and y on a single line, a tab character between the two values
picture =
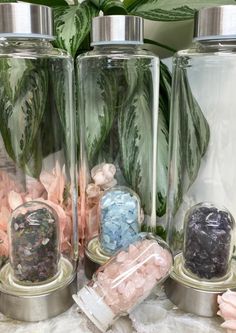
26	20
117	29
215	23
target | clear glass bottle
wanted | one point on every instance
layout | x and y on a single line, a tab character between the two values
201	206
37	148
118	89
125	281
202	148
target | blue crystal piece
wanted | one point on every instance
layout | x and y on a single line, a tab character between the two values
119	219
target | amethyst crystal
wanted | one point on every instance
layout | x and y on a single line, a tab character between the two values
207	247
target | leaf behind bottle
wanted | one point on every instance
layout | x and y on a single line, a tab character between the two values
97	102
23	95
190	142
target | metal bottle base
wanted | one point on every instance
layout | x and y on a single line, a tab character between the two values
199	302
195	295
37	303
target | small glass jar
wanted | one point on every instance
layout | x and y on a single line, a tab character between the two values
125	281
34	243
208	241
120	218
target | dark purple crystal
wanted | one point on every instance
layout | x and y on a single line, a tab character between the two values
207	247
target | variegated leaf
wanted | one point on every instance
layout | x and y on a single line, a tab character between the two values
110	7
175	10
97	101
137	124
72	25
190	142
50	3
23	95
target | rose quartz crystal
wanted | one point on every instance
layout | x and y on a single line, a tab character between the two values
103	175
227	310
130	277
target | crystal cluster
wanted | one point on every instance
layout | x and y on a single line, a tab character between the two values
34	245
130	277
207	247
119	219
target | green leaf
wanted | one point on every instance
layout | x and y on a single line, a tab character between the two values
98	104
50	3
165	92
23	95
110	7
162	161
72	25
157	230
190	142
33	166
136	133
61	83
175	10
153	42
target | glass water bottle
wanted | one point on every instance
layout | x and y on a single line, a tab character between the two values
38	193
118	90
201	199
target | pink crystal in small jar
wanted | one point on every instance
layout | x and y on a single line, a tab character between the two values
130	276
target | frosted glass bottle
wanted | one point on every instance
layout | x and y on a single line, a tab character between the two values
118	89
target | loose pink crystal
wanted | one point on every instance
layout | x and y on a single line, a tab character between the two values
92	190
103	175
4	244
54	183
4	218
14	199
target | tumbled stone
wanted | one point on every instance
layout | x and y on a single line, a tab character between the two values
207	248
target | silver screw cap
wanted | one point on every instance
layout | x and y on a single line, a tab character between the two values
117	29
26	20
215	23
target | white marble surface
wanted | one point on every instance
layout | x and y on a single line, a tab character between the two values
157	314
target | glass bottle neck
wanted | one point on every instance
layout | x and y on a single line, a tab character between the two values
218	45
117	47
29	43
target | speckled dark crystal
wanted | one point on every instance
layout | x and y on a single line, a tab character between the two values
207	247
34	246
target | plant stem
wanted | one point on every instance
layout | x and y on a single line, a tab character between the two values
153	42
